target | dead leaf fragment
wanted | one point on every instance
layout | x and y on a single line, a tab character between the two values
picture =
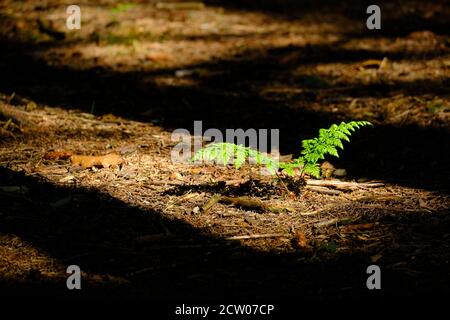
105	161
327	169
57	154
300	242
176	176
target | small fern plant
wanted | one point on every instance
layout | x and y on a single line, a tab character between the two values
326	143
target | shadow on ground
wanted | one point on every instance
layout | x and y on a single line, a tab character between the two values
100	233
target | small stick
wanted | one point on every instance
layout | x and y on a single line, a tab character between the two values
258	236
343	184
282	182
324	190
244	202
334	221
19	116
168	182
327	223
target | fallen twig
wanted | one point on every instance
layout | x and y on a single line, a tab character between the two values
252	204
244	202
258	236
343	184
169	182
324	190
334	221
19	116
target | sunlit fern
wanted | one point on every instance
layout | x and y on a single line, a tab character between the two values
326	143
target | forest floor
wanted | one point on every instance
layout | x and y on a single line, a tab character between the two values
135	72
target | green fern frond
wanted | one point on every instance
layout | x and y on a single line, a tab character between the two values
329	139
326	143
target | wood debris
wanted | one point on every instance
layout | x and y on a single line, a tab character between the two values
343	185
258	236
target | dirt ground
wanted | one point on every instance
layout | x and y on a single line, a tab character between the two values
134	72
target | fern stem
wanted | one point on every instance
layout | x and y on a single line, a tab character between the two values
282	182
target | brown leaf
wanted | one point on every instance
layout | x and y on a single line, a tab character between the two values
300	242
56	155
105	161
